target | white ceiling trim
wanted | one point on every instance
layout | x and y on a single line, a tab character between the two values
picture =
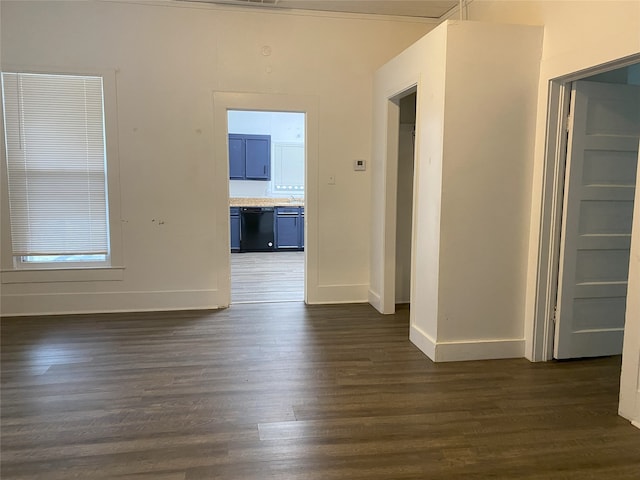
206	5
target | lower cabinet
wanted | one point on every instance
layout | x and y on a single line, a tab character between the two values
235	228
302	228
289	228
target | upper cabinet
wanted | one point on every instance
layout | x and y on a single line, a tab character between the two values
237	163
249	157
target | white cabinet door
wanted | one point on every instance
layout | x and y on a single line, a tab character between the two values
597	216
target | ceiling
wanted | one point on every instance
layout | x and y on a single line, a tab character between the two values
409	8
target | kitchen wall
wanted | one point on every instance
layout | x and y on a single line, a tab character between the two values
169	58
286	129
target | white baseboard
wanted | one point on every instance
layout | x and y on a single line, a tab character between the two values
423	341
466	350
375	301
328	294
479	350
106	302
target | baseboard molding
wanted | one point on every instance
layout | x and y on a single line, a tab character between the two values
107	302
423	341
466	350
328	294
479	350
375	301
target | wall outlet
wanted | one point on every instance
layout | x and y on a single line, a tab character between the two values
331	179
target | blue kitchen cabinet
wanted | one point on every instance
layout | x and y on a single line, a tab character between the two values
235	228
237	155
289	228
249	157
301	228
258	157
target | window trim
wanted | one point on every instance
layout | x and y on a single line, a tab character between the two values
20	264
14	272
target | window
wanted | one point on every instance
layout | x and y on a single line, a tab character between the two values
56	170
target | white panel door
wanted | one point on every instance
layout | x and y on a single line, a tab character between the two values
600	182
630	376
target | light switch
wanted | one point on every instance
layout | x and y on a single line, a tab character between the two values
359	165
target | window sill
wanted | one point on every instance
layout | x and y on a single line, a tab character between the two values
50	275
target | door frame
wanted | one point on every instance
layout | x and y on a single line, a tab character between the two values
388	295
551	205
222	103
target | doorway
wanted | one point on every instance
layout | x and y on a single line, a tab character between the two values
404	197
592	160
266	198
223	103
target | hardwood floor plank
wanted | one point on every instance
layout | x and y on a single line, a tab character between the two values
289	391
258	277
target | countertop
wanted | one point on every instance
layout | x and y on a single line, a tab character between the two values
265	202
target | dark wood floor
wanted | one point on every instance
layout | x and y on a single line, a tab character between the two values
286	391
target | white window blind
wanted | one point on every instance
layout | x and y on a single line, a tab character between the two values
56	164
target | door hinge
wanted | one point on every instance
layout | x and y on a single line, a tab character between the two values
555	314
569	122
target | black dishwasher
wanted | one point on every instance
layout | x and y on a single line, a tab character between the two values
256	229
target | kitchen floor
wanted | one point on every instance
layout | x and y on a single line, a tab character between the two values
258	277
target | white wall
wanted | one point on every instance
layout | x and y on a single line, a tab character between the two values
398	75
169	59
477	86
487	162
577	36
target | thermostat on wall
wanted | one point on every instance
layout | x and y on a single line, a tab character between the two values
359	165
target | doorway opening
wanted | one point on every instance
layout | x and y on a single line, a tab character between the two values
398	201
404	197
266	152
592	155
